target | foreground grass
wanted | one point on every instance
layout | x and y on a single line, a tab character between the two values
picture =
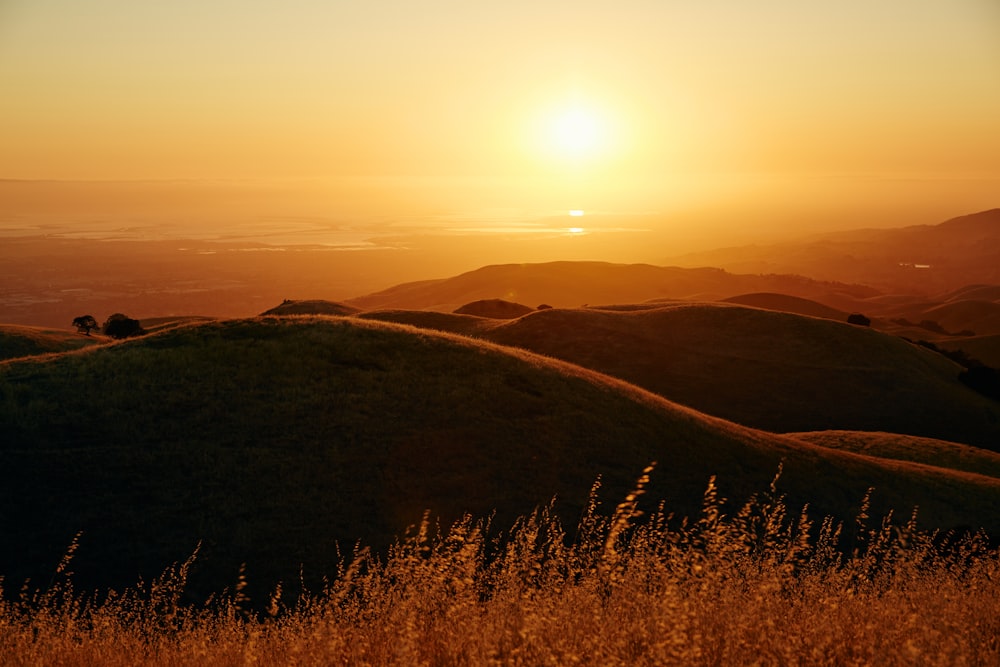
761	587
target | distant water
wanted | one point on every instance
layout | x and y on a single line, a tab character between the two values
314	231
276	232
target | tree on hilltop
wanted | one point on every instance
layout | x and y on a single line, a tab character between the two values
85	324
122	326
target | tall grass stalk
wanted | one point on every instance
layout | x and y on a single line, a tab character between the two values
764	586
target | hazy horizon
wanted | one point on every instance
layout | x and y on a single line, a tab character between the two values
674	128
327	150
705	214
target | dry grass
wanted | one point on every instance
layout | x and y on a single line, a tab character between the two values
24	341
902	447
760	587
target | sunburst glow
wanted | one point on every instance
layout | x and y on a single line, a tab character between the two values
576	132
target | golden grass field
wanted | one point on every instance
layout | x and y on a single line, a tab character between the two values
761	586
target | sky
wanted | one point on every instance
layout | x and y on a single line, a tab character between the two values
777	114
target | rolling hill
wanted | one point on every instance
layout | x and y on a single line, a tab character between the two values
22	341
974	293
154	324
984	348
310	307
494	308
929	451
283	442
789	304
571	284
770	370
931	315
981	317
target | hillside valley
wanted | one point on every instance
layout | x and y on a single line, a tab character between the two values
770	370
282	441
286	439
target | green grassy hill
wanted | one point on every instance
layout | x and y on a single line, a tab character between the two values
273	440
771	370
23	341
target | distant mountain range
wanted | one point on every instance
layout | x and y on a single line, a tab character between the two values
572	284
921	259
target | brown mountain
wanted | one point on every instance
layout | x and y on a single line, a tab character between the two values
919	259
571	284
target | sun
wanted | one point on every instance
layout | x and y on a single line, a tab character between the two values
576	132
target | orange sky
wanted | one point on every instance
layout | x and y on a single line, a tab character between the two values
392	107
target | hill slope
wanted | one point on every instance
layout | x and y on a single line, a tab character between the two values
570	284
494	308
22	341
270	440
310	307
940	453
788	304
770	370
984	348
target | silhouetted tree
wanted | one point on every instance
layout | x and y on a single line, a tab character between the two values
85	324
122	326
859	319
